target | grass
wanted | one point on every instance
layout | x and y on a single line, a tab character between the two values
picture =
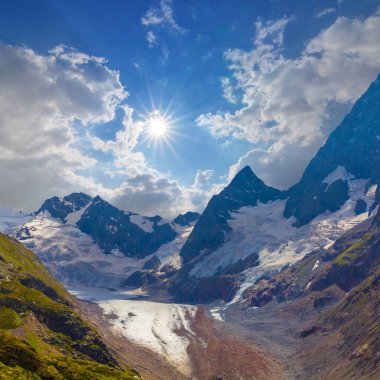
9	319
55	343
349	256
19	360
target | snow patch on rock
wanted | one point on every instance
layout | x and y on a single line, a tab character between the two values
264	230
339	173
144	223
169	253
72	256
74	217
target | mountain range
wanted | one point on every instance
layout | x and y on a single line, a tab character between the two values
250	229
315	245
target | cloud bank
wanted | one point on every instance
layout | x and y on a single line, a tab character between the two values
289	106
48	105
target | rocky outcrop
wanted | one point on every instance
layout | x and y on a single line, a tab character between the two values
354	146
246	189
61	207
186	219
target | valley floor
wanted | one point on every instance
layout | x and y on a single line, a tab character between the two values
169	341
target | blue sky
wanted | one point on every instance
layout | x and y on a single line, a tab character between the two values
240	82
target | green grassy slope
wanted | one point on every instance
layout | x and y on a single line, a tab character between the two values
42	334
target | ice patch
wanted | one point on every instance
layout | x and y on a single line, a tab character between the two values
316	265
74	217
339	173
144	223
216	313
169	253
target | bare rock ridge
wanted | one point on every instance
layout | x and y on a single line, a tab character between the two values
353	145
351	153
246	189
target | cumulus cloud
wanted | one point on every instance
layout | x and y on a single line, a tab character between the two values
153	192
228	90
46	101
289	106
202	178
42	98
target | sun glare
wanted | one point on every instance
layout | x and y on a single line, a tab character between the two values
157	125
159	130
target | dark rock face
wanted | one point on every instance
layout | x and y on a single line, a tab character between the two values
152	264
186	219
60	208
112	229
246	189
209	233
354	145
361	206
204	290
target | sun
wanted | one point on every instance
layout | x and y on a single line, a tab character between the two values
157	124
159	130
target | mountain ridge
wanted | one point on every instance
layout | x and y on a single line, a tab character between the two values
338	189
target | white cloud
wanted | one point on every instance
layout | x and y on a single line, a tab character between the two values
228	90
151	38
162	16
45	100
42	98
150	193
289	106
325	12
202	178
271	32
154	193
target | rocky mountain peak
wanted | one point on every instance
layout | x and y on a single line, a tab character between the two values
353	146
209	232
246	179
186	219
60	207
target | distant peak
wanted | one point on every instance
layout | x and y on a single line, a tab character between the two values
186	219
245	177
